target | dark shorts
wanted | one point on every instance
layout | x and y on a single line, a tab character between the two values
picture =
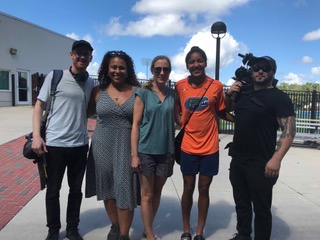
207	165
159	165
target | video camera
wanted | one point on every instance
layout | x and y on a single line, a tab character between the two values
243	74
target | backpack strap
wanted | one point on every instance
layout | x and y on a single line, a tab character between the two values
57	75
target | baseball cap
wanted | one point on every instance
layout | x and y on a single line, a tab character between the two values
81	43
270	60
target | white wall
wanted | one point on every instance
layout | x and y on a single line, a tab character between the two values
38	50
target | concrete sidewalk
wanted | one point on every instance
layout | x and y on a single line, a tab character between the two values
296	205
15	122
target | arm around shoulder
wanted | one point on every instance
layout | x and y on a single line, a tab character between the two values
135	132
225	115
93	101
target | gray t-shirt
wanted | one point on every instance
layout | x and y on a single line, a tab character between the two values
157	128
67	120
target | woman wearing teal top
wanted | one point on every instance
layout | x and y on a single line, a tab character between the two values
152	139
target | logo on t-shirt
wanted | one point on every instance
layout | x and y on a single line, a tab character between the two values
191	103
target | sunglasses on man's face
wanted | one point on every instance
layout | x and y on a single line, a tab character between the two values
158	70
257	68
84	54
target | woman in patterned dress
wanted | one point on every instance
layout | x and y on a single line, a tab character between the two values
109	173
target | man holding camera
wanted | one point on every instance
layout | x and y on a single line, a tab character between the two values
256	154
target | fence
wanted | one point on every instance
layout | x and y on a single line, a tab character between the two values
306	105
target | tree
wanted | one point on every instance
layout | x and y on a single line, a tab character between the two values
298	87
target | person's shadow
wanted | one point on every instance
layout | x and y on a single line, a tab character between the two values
169	220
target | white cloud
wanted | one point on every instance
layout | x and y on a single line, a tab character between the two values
315	70
93	68
307	59
312	36
293	78
230	82
88	38
176	76
168	18
229	48
185	6
141	75
73	36
151	25
300	3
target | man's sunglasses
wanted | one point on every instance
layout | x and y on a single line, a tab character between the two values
257	68
79	54
158	70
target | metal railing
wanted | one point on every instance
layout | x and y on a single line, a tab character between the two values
306	105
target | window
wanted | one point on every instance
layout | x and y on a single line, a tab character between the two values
4	80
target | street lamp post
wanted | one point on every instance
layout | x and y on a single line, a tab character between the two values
218	31
146	61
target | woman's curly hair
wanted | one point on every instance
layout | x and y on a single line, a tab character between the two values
103	71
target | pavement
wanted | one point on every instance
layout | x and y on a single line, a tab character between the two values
296	201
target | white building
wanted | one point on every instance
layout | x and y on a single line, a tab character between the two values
27	49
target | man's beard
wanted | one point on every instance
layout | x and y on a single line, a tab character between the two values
265	82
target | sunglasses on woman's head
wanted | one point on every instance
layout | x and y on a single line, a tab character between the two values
117	53
158	70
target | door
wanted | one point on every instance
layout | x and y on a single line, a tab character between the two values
23	88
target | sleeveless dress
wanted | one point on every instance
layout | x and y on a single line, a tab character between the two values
109	173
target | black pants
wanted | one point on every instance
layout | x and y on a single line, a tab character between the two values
58	159
251	187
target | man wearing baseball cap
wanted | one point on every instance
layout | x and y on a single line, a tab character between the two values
66	139
82	44
256	154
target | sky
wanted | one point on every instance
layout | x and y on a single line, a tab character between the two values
287	30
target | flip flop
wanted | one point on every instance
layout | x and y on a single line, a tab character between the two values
144	235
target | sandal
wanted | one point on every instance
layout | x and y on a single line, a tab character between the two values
144	235
199	237
186	236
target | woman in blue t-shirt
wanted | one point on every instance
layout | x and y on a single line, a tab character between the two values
152	137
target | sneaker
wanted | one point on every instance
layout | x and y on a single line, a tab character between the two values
239	236
73	234
114	232
52	235
123	237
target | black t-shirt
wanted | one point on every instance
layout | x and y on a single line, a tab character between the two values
256	124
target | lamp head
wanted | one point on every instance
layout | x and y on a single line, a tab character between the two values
218	28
